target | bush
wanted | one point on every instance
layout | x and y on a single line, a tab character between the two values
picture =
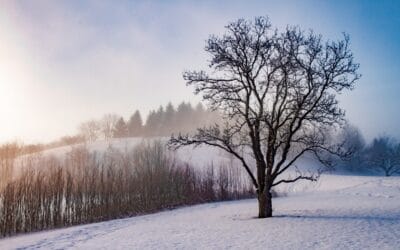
85	187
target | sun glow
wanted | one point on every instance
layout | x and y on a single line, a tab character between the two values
14	91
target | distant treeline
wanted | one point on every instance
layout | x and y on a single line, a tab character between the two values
164	121
85	187
161	122
380	156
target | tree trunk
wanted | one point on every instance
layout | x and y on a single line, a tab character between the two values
264	204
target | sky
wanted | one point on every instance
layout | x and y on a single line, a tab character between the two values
64	62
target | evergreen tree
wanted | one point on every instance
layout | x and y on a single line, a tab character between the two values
151	124
159	119
183	117
135	125
199	116
169	120
120	129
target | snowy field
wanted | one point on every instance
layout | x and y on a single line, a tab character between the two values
339	212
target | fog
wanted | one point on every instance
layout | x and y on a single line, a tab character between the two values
65	62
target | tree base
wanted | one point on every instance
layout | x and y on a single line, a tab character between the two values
264	205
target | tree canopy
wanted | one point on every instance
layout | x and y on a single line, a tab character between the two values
277	93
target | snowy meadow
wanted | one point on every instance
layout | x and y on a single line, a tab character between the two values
199	124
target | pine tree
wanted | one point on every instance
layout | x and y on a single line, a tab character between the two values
160	118
199	116
135	125
183	117
120	129
169	120
151	124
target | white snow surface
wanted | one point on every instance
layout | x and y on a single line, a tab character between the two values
199	157
338	212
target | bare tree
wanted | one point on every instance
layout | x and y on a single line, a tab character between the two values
8	153
69	140
384	154
107	124
90	130
353	142
276	92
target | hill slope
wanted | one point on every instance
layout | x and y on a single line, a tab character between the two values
199	157
340	212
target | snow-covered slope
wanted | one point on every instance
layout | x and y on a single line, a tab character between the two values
339	212
199	157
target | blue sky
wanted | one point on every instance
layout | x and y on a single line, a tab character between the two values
63	62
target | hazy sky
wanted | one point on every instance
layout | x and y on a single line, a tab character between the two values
63	62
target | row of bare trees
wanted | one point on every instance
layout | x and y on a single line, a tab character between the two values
8	153
83	187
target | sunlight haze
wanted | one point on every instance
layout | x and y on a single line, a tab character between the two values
64	62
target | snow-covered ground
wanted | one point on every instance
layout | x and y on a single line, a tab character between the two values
339	212
199	157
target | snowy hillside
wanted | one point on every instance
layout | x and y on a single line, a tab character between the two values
199	157
339	212
191	155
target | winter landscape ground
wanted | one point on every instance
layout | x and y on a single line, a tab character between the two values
199	124
337	212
